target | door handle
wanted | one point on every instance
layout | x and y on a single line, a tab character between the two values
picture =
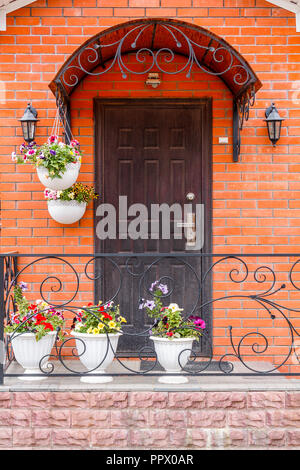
190	228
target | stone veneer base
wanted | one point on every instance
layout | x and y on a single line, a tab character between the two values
149	420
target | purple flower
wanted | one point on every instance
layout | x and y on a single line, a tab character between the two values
156	286
52	152
163	288
23	286
150	304
22	148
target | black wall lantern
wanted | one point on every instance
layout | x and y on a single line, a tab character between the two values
273	121
28	122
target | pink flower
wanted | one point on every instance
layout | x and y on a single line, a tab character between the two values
50	194
52	139
74	143
198	322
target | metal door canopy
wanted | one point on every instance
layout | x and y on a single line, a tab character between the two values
161	40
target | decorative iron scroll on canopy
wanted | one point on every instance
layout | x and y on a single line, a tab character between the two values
155	43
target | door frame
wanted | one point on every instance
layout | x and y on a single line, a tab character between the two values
204	104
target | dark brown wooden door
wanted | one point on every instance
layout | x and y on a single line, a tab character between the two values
153	152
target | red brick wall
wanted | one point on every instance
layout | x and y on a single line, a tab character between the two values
150	420
255	202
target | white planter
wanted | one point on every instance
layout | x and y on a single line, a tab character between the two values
66	181
169	353
28	352
96	354
66	212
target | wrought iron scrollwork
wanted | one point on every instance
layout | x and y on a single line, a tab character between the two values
107	50
243	350
10	273
222	59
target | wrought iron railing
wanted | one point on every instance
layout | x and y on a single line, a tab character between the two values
250	305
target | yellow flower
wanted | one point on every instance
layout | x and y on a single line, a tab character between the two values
96	331
90	330
100	326
100	302
123	320
111	324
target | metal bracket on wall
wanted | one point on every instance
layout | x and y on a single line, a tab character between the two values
236	135
241	109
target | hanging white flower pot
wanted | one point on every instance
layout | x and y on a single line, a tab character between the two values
29	352
96	353
69	177
66	212
173	354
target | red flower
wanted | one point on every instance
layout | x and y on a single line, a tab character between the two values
169	333
39	319
90	303
107	316
32	306
48	326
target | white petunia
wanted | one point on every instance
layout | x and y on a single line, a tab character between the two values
175	308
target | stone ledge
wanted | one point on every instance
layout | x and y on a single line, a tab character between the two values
206	382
